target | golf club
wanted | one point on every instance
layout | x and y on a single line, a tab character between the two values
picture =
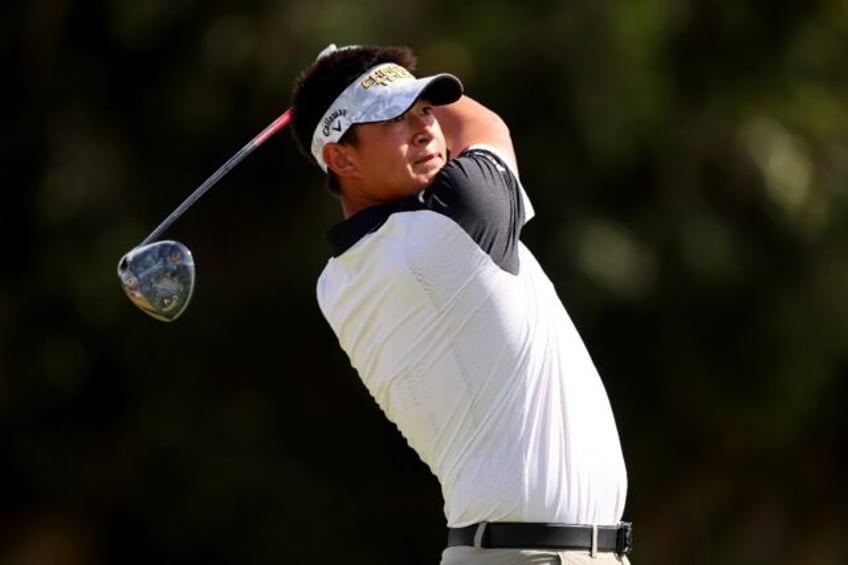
158	276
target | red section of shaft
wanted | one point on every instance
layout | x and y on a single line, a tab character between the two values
273	128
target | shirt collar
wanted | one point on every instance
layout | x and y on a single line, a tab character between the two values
346	233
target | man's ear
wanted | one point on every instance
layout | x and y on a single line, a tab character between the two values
338	159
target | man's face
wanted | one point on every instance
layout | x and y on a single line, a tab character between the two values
399	157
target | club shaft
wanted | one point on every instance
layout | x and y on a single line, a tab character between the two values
270	130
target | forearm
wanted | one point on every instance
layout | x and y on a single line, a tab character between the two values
466	122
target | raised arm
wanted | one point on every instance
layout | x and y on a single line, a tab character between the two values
466	122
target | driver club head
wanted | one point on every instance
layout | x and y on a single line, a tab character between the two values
158	278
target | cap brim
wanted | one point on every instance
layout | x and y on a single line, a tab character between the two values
442	89
438	89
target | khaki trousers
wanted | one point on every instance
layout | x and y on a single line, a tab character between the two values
463	555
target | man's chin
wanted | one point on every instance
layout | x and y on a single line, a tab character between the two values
430	169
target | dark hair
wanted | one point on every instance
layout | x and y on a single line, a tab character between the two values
321	83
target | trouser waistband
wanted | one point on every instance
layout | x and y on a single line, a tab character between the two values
530	535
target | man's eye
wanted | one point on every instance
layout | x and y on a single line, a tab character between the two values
397	119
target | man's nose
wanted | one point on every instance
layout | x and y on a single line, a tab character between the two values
423	125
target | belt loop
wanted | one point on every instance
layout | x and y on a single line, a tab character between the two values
478	535
594	552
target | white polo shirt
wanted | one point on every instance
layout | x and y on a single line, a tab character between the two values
461	339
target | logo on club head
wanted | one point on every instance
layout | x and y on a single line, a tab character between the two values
159	278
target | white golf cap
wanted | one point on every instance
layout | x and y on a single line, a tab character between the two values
381	93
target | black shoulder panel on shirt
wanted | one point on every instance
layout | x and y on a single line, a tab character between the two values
478	192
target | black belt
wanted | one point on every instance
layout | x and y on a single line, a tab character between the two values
527	535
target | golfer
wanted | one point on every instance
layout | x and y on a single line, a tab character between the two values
449	320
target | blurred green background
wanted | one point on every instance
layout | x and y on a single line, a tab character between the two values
688	160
